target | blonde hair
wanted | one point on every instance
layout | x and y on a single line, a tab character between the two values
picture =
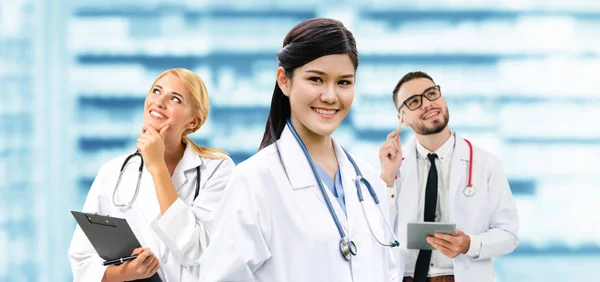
200	107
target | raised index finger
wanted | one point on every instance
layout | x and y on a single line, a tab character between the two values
393	134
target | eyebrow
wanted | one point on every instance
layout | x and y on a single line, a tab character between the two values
426	89
430	88
175	93
322	73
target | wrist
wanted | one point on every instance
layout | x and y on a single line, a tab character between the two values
112	274
467	246
157	168
387	178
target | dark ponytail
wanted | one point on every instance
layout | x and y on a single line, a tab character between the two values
280	111
307	41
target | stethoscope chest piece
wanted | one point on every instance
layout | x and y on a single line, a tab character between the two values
347	249
469	191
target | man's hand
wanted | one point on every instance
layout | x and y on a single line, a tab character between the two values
390	156
451	246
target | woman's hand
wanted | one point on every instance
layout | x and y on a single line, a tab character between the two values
151	145
144	266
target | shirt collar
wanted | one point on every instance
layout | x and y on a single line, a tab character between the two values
443	152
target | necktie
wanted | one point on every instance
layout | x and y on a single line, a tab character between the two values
424	258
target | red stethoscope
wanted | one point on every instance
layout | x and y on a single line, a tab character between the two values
470	190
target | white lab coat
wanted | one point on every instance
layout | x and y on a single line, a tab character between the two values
178	237
489	216
271	228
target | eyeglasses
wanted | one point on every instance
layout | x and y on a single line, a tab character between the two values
415	101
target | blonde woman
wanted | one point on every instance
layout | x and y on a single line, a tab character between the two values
171	211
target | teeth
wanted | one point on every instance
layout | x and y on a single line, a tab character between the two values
431	114
157	115
324	112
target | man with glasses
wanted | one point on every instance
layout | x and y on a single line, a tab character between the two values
441	177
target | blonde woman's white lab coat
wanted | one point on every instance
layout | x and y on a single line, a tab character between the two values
178	237
489	216
271	228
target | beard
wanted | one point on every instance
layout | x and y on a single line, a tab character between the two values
435	128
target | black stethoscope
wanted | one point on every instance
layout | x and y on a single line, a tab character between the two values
139	180
346	246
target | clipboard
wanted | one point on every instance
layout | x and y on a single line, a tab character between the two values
111	237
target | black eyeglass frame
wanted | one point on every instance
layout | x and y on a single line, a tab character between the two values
421	98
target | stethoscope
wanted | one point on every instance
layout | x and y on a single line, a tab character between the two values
346	246
470	189
139	180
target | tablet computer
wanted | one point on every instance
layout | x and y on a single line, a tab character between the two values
111	237
417	232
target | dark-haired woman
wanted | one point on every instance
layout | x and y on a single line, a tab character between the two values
291	212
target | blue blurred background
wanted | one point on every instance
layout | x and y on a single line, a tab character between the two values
520	78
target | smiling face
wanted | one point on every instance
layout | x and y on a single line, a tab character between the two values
431	117
169	102
321	94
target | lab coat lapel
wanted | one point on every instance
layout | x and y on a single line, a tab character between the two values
186	169
458	172
295	163
300	172
409	193
348	175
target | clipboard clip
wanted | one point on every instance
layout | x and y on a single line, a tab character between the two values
100	219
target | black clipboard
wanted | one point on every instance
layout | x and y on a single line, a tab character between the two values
110	236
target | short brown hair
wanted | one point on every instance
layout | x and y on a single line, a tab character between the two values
406	78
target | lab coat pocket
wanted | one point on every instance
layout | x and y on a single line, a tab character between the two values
472	207
474	270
